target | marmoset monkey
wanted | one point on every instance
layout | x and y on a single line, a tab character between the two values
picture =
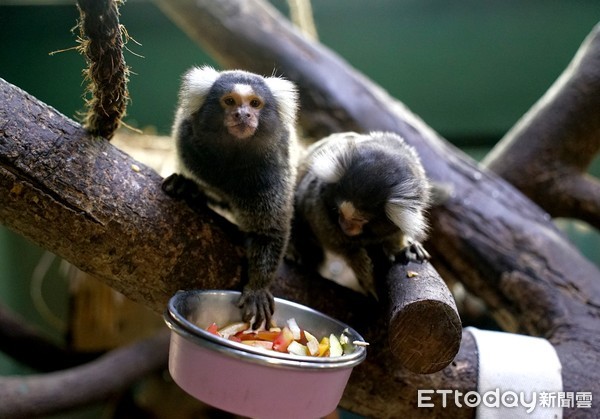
356	193
235	143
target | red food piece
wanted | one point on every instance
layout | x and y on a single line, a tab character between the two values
265	335
214	329
283	340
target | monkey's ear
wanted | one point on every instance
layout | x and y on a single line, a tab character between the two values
410	220
194	88
286	96
333	156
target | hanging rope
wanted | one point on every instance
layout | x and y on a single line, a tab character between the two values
101	41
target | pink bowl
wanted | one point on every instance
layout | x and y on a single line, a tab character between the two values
249	381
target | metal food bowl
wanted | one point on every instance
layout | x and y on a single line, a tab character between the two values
251	381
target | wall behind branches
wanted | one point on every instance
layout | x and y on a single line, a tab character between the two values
469	68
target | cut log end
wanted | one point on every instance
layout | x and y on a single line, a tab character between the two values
424	329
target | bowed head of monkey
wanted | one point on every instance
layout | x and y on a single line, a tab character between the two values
357	194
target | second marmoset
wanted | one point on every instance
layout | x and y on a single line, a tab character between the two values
358	192
235	142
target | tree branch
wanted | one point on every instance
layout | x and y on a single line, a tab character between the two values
24	343
27	396
547	153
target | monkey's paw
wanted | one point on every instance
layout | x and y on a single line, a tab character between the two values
257	307
180	187
414	252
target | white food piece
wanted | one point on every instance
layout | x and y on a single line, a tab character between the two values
232	329
296	348
335	348
312	344
294	328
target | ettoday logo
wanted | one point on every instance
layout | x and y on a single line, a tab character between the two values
509	399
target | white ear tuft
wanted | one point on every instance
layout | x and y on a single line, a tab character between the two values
410	220
194	88
332	156
286	96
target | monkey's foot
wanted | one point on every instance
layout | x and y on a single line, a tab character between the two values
180	187
257	307
414	252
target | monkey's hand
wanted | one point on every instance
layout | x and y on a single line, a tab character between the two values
180	187
257	307
414	252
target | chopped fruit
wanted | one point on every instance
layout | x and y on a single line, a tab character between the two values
214	329
284	339
312	344
297	349
324	347
232	329
335	348
290	339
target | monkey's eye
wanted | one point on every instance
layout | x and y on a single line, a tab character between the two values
255	103
229	101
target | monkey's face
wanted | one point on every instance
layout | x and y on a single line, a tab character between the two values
350	219
241	107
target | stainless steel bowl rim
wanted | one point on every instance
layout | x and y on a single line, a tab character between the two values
180	325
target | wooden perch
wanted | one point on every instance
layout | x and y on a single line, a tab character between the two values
424	328
547	153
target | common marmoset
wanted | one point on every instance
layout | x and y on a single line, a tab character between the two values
235	142
356	193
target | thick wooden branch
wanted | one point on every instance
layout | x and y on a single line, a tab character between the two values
24	343
35	395
93	205
547	153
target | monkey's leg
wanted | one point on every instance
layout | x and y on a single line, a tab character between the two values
264	252
303	247
361	264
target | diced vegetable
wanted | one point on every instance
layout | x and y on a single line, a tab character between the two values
335	348
233	328
294	328
214	329
290	339
297	349
312	344
283	340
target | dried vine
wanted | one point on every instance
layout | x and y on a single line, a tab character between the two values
101	41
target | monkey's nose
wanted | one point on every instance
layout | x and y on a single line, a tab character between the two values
242	114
